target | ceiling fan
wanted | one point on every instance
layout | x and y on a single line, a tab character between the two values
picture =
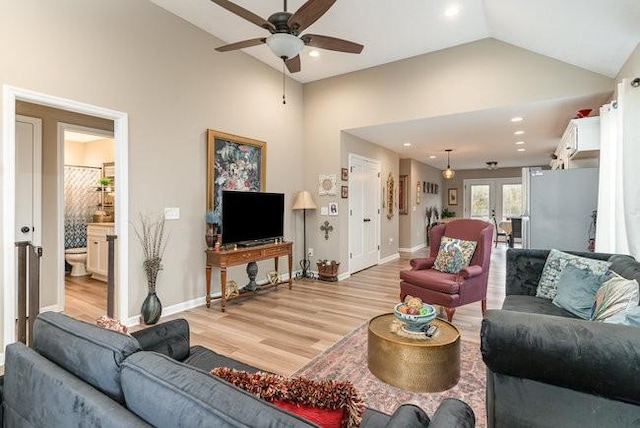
285	27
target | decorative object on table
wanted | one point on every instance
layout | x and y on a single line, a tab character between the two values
328	270
345	192
327	185
252	272
447	214
403	195
453	196
333	208
418	191
273	277
448	173
326	228
233	163
231	290
212	237
345	174
390	195
304	202
414	314
153	239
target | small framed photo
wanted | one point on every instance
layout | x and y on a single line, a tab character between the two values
333	208
453	196
345	174
424	186
435	189
344	192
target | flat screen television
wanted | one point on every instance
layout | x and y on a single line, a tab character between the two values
251	217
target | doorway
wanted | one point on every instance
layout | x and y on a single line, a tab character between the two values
364	212
497	197
10	96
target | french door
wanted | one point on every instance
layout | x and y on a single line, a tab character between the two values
497	197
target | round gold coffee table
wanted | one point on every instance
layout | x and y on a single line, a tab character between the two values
415	364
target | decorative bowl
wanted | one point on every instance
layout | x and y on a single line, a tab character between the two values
414	323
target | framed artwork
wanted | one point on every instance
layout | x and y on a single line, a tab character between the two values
418	191
345	174
424	187
345	192
233	163
333	208
403	199
327	185
390	195
435	189
453	196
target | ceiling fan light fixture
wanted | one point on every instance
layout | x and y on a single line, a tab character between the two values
448	173
285	45
492	165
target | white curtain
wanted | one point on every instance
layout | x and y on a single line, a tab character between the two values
618	224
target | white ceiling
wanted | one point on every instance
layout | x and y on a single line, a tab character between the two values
597	35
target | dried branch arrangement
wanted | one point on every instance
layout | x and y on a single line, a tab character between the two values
153	240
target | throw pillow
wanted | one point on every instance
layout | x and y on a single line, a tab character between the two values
555	264
327	403
631	318
617	295
454	255
576	290
112	324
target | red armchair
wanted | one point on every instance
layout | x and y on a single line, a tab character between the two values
451	290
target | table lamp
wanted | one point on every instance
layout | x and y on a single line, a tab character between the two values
304	202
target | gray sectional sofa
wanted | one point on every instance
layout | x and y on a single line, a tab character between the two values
547	368
78	374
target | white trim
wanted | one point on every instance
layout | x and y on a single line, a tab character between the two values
1	358
412	249
62	127
344	275
52	308
390	258
10	94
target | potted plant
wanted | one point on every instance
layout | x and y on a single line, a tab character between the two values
212	219
153	240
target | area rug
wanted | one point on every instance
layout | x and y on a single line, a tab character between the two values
347	360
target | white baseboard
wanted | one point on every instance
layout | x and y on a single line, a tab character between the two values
344	276
412	249
390	258
52	308
1	358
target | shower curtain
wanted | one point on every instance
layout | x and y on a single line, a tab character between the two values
81	200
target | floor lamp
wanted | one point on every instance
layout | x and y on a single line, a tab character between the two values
304	202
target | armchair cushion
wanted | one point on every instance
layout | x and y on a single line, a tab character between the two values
454	254
432	279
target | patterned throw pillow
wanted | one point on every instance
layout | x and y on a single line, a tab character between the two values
556	262
454	255
617	295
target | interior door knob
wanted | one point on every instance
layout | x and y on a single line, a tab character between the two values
25	229
366	220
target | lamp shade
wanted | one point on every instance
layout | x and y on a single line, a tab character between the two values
448	173
304	201
285	45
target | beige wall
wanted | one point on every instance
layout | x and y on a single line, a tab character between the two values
98	152
166	75
631	68
477	76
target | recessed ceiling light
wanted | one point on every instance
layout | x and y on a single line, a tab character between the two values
521	149
518	133
452	10
519	143
432	157
407	144
314	53
516	119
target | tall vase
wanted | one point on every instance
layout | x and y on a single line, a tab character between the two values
151	307
211	235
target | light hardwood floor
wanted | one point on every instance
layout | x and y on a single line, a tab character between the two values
282	330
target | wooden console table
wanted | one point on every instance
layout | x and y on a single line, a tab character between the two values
240	256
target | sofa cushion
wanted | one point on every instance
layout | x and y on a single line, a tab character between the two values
625	266
617	295
432	279
92	353
555	264
576	290
167	393
454	254
170	338
206	359
534	305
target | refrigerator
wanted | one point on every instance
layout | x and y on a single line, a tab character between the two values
558	208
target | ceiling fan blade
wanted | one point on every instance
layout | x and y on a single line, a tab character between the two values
241	45
308	14
293	64
244	13
331	43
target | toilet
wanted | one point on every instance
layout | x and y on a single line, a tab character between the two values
77	258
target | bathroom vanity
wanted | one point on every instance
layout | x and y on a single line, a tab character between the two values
97	249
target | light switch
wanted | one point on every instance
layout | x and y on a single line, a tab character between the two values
172	213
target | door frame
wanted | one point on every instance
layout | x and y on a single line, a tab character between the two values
62	127
11	94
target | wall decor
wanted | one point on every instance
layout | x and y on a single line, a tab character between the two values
403	197
418	191
345	174
326	228
424	187
233	163
390	196
327	185
345	192
333	208
435	189
453	196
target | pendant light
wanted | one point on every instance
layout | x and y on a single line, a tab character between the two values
448	173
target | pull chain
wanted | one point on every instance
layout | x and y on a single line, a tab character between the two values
284	101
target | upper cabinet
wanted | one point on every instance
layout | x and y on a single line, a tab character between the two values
580	145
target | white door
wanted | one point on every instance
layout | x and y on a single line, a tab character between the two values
364	213
498	197
28	179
